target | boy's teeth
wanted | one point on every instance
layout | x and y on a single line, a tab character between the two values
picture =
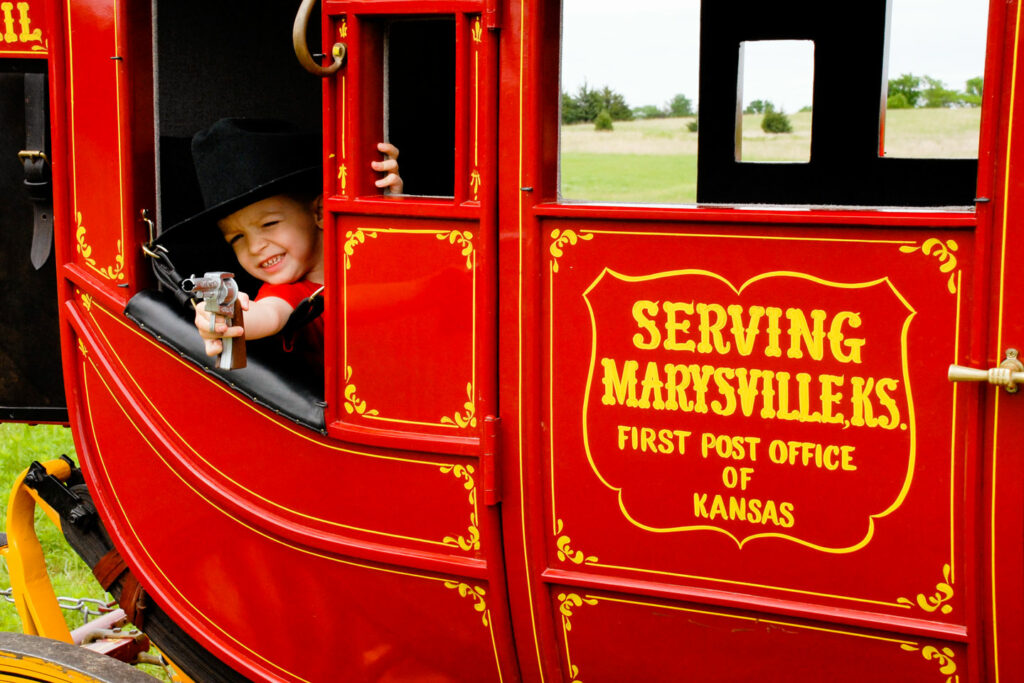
271	261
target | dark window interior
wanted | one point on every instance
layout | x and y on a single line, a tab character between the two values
849	72
31	385
420	109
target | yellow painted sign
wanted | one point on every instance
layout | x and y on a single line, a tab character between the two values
21	29
779	407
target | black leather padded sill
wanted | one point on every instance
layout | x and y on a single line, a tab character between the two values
271	378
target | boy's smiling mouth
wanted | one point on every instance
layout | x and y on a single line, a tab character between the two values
272	261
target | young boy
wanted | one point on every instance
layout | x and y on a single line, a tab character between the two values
260	182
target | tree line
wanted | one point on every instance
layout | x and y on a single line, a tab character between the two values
602	106
909	91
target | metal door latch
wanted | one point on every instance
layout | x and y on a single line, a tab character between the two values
1009	373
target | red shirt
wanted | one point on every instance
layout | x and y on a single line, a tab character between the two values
309	339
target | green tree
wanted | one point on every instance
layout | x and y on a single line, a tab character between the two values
907	85
649	111
571	111
680	105
973	91
615	104
937	95
758	107
603	121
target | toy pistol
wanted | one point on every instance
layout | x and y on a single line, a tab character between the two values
219	293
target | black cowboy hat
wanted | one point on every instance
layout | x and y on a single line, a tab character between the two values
237	162
242	161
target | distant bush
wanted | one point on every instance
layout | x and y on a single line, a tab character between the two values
776	122
680	105
897	101
692	126
603	121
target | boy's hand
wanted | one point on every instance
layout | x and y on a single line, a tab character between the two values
212	328
392	182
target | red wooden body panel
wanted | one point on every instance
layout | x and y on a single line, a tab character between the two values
563	442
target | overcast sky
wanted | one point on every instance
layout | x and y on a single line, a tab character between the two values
647	49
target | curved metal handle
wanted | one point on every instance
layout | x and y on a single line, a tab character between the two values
1009	373
338	51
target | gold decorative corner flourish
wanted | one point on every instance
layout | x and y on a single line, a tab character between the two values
567	603
86	300
562	238
478	31
352	238
353	404
938	601
471	541
476	594
469	418
115	272
462	238
565	551
343	29
82	347
943	656
942	251
343	181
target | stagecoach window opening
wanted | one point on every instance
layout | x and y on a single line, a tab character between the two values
934	79
419	102
641	66
774	101
237	64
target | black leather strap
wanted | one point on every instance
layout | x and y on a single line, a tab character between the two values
37	168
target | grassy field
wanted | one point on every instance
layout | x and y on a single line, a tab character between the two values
19	446
655	161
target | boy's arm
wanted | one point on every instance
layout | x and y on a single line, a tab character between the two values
262	318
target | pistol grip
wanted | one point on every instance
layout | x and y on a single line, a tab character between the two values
233	355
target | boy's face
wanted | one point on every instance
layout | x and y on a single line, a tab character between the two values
278	239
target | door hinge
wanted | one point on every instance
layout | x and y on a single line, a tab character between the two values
492	14
490	474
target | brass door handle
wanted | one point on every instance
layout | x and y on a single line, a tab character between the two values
1009	373
302	49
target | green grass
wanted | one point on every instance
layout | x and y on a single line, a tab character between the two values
629	178
19	446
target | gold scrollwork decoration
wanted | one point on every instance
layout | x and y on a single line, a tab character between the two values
943	656
565	551
353	404
567	603
462	238
476	594
86	300
343	181
942	251
478	31
82	348
115	272
471	541
352	238
562	238
343	29
469	418
938	601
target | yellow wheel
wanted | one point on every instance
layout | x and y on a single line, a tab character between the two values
31	658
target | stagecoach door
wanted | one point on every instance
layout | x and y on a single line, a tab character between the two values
411	372
731	448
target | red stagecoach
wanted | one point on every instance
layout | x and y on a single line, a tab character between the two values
550	440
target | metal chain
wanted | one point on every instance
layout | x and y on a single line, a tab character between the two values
86	607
